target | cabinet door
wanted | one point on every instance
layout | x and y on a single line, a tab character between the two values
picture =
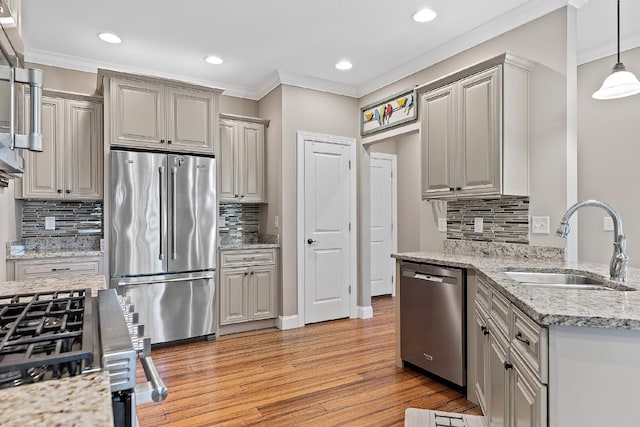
497	380
251	162
137	114
83	138
263	292
437	134
481	332
190	120
528	396
480	127
44	171
234	296
228	191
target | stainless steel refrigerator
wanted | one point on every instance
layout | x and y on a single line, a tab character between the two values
162	247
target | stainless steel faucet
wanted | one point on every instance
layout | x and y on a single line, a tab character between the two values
619	260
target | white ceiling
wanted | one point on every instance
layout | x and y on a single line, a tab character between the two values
268	42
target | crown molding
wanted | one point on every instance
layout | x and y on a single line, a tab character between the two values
507	22
322	85
577	3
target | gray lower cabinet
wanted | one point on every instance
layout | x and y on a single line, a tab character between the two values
511	364
248	286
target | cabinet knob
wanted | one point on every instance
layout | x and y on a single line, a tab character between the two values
458	188
59	191
168	141
310	241
242	196
451	188
235	196
507	366
162	141
68	191
245	273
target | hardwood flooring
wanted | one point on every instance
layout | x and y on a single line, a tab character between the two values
327	374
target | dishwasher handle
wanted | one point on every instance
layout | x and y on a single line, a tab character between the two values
426	277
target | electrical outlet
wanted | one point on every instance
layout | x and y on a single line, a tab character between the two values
540	224
222	222
608	223
478	225
277	222
49	222
442	225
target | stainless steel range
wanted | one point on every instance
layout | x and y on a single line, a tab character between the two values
52	335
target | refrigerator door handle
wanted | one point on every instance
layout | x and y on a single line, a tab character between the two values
162	219
172	280
174	226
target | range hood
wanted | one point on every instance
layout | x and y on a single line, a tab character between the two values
14	79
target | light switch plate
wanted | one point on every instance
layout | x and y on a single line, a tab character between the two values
478	225
608	223
49	222
442	225
222	222
277	222
540	224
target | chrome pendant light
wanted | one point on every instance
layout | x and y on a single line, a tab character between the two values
620	82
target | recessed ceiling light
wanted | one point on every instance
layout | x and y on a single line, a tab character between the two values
215	60
110	38
424	15
344	65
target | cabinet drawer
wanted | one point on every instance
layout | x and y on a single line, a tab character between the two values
483	294
236	258
38	268
531	342
500	312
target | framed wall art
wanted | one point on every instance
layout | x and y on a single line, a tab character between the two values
389	112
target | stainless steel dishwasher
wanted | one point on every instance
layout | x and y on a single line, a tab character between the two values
432	320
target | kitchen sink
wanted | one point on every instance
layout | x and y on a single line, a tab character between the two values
563	281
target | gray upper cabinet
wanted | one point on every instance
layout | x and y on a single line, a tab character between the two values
70	165
475	131
241	163
158	115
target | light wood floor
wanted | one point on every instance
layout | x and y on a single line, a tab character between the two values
327	374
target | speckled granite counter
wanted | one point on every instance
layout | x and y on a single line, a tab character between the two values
55	254
75	401
59	283
552	306
238	246
83	400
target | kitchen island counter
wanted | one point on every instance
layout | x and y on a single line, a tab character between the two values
80	400
611	309
83	400
94	282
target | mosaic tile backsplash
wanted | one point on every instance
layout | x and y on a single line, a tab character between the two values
505	220
72	219
241	223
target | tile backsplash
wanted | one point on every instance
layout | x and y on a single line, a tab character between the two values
72	219
505	220
241	223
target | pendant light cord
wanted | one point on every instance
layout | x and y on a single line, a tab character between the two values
618	31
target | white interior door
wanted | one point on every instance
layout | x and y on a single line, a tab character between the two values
382	222
327	192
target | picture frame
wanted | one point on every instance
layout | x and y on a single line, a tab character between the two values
389	112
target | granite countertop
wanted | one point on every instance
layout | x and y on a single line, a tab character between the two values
83	400
80	400
237	246
55	253
552	306
57	283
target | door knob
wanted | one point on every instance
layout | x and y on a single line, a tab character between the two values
310	241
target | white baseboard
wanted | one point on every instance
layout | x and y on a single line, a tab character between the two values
287	322
365	312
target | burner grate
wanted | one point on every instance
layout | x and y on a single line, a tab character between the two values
46	330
